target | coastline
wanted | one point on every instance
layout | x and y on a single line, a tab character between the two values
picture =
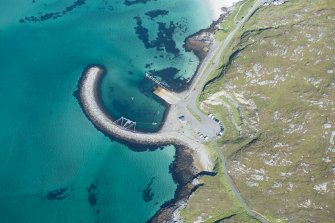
216	7
196	43
183	169
187	163
202	41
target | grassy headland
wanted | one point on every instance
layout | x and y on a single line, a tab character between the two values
274	91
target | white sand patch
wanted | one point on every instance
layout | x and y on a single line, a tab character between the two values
252	184
326	159
277	185
321	188
257	177
282	174
331	140
217	5
305	204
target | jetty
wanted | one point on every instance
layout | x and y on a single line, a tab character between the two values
193	123
168	96
162	92
89	99
92	108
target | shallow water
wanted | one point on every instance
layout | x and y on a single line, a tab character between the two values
54	165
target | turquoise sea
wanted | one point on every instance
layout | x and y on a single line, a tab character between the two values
54	165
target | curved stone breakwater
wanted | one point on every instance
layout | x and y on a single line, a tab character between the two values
191	159
90	103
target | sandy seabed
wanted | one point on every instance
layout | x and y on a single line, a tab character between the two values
217	5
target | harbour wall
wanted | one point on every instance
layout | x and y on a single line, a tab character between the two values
88	95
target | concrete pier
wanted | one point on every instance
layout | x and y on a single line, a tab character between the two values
168	96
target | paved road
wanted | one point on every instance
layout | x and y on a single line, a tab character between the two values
206	125
214	56
202	75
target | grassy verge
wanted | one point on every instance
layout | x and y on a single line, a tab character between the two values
215	200
285	66
203	204
233	18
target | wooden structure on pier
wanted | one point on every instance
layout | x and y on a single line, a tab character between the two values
162	92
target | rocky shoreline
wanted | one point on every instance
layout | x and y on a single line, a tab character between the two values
183	169
199	43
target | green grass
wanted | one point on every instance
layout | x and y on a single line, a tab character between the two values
229	22
215	198
291	98
245	6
